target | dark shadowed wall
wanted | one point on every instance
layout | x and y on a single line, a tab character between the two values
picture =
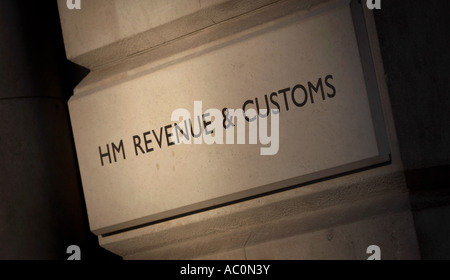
42	210
415	46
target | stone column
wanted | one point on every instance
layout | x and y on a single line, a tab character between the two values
41	206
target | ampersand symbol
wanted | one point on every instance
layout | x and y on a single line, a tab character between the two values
227	121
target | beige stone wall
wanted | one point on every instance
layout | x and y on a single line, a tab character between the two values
104	31
334	218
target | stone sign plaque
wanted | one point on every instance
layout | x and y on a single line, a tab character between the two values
186	134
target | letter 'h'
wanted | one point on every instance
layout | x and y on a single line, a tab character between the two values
104	155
